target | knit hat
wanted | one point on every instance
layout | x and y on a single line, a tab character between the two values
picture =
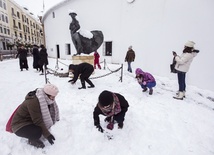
105	98
51	89
190	44
130	47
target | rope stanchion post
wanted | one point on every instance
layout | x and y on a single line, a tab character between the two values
57	64
104	64
46	80
121	77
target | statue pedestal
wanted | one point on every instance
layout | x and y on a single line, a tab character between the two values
80	59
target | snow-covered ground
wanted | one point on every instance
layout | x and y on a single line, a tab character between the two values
154	124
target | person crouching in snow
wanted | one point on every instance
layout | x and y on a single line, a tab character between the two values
34	117
112	105
84	70
146	80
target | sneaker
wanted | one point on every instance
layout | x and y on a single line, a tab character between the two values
150	91
144	89
37	143
120	125
91	86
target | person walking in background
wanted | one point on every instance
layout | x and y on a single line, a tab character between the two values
43	61
182	66
35	53
130	56
22	54
112	105
84	70
146	80
96	60
34	117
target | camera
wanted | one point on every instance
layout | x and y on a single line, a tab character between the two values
196	51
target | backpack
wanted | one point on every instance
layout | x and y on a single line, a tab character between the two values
8	125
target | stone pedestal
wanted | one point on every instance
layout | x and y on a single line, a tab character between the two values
80	59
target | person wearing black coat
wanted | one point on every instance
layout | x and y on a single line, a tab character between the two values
84	70
22	54
35	57
43	61
112	105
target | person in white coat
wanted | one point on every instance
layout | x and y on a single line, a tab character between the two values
182	66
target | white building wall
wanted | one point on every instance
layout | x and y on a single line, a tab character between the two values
154	29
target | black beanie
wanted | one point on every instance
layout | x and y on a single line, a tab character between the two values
71	66
106	98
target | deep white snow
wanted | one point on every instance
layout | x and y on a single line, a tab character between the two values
154	124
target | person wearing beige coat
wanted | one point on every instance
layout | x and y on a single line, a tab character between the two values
182	66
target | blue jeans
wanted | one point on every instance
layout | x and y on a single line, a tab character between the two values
149	85
129	67
181	81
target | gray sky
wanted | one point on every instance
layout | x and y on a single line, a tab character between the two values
36	6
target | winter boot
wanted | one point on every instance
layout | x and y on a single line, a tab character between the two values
36	142
120	125
144	89
183	92
180	96
83	85
150	91
90	83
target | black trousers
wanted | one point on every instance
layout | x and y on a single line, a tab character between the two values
23	64
85	77
30	132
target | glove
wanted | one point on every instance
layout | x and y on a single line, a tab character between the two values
110	126
100	128
51	139
144	82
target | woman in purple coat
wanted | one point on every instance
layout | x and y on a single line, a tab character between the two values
146	80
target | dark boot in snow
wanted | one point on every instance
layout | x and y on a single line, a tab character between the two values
144	89
90	83
83	85
150	91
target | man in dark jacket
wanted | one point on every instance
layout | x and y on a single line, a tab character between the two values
43	61
112	105
35	57
84	70
130	56
22	54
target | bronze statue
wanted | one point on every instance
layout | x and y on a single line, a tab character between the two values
81	43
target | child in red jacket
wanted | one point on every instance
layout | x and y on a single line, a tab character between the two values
96	60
